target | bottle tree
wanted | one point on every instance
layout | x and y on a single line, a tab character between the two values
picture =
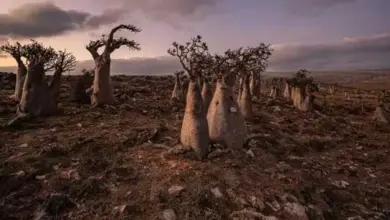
102	92
16	52
194	130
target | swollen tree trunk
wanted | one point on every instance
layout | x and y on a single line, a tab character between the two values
297	97
274	92
184	86
102	88
257	90
287	91
177	90
252	85
381	115
332	89
240	88
79	93
293	94
36	98
200	82
194	130
303	99
307	103
207	95
245	102
55	85
226	123
20	77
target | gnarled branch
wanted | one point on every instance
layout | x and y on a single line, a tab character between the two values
65	61
15	50
190	55
37	54
117	43
113	44
94	46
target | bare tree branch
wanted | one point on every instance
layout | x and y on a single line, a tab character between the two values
94	46
117	43
16	51
37	54
65	61
113	44
190	55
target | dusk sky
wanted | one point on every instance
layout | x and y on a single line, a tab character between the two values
312	34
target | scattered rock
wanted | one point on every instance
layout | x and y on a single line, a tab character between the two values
340	184
40	177
257	203
241	202
250	153
217	192
20	173
233	109
272	207
175	190
56	167
25	145
169	214
178	149
294	211
215	154
123	209
70	174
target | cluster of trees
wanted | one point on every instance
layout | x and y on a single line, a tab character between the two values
102	92
210	117
36	96
217	117
300	90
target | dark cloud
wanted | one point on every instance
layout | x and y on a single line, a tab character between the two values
313	7
46	19
350	53
369	52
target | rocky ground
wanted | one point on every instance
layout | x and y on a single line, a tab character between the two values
118	162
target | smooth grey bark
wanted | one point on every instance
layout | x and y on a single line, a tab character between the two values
225	120
245	101
102	93
20	77
207	94
194	130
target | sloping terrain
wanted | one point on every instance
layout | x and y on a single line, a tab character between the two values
118	162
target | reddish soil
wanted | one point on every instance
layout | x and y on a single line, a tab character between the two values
115	163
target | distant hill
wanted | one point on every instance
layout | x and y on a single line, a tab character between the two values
339	76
